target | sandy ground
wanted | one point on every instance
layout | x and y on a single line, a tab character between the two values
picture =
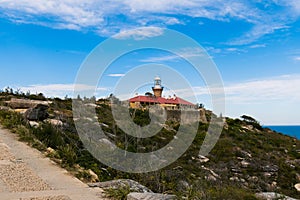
26	174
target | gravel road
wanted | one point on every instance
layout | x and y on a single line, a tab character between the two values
26	174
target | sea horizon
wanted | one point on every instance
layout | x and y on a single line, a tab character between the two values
290	130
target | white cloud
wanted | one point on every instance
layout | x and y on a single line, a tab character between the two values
277	89
58	90
103	17
140	33
64	14
258	31
297	58
116	75
182	53
258	46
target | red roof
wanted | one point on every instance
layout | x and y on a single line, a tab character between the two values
160	100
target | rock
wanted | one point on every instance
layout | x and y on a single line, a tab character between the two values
203	159
4	108
21	111
272	196
37	113
270	168
25	103
94	176
149	196
236	170
253	179
211	171
182	185
34	124
203	118
134	186
234	178
297	186
267	174
210	178
246	154
50	150
248	127
245	164
54	122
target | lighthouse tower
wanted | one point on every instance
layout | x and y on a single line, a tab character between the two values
157	89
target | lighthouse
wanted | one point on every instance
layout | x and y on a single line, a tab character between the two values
157	89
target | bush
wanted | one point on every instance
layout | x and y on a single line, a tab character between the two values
118	193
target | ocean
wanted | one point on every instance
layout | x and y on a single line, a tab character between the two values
293	131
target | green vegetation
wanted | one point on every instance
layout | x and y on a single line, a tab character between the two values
247	158
118	193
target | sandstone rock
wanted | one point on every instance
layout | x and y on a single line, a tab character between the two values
21	111
37	113
94	176
50	150
297	186
149	196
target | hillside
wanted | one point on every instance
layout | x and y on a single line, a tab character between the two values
247	159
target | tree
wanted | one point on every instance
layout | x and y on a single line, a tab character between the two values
247	118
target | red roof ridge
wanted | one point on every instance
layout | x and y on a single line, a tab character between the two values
160	100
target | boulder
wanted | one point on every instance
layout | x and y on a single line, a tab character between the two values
37	113
149	196
34	124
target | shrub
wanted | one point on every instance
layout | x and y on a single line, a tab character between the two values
118	193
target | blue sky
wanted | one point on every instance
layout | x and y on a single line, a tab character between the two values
255	45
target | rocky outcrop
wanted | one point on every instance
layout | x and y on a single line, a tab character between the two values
272	196
203	118
25	103
134	186
37	113
149	196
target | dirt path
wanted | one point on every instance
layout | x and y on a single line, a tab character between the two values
26	174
